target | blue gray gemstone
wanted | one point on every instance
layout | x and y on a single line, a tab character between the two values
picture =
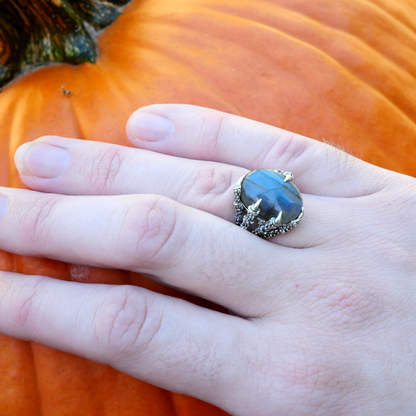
276	195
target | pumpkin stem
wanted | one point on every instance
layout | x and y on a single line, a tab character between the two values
38	32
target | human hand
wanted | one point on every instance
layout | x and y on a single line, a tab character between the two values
322	317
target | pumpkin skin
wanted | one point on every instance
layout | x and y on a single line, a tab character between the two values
339	71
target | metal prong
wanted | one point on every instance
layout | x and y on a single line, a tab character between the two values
240	181
237	189
255	208
278	220
252	213
288	176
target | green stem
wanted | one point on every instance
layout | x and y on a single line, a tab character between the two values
38	32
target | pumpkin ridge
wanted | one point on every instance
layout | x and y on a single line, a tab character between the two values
332	104
36	373
172	400
286	74
338	29
327	26
119	75
200	79
391	15
19	108
109	80
334	61
74	116
359	78
218	9
401	71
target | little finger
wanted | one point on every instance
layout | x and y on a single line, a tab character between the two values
162	340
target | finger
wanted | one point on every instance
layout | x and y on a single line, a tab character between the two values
185	248
81	167
162	340
205	134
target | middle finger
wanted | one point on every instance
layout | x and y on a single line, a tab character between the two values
186	248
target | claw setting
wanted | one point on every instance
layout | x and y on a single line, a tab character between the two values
270	198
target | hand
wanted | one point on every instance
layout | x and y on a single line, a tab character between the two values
322	317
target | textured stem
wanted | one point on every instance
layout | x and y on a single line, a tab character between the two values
37	32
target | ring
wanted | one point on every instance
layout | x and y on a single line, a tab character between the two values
270	198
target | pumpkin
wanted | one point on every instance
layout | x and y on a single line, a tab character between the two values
341	71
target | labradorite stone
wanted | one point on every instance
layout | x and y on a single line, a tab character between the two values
276	195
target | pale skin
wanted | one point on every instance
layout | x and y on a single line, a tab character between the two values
322	318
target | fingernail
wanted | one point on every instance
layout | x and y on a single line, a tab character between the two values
4	205
150	127
42	160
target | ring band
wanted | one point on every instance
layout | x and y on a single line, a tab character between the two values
270	198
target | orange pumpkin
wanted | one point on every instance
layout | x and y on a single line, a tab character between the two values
342	71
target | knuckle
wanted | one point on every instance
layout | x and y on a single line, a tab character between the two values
21	299
37	222
211	182
105	169
311	374
283	149
316	377
150	232
211	130
346	305
126	323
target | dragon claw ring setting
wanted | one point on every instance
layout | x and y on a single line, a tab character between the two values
270	198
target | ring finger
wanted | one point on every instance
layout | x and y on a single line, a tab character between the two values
78	167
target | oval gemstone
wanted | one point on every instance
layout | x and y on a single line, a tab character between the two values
276	195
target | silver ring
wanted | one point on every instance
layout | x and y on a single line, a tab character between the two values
270	198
